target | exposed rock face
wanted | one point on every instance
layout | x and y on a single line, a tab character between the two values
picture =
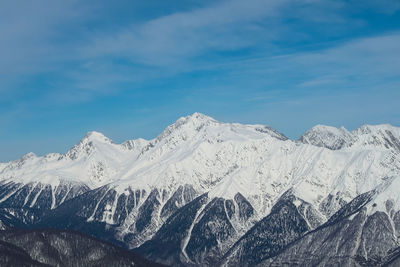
349	242
357	235
269	236
201	232
27	203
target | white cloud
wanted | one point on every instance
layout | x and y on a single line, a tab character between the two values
178	37
35	39
29	33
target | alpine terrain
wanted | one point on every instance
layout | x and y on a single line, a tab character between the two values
207	193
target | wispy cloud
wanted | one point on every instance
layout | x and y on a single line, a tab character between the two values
32	34
35	40
176	38
365	58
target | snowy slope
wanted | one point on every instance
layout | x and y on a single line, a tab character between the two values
202	152
94	161
386	198
185	153
224	159
327	136
365	232
136	186
264	169
261	166
46	182
382	136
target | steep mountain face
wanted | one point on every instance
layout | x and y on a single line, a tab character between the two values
62	248
32	185
364	232
290	218
368	136
383	136
201	232
28	202
204	192
94	161
131	216
188	159
328	137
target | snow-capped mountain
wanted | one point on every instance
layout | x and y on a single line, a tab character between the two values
328	136
94	161
364	232
382	136
213	185
50	180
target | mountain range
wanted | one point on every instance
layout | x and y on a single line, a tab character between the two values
207	193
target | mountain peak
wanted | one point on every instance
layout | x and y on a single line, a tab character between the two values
29	155
382	135
195	119
368	128
87	145
135	144
96	137
327	136
200	116
188	125
322	127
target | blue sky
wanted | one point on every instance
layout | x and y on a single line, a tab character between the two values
130	68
